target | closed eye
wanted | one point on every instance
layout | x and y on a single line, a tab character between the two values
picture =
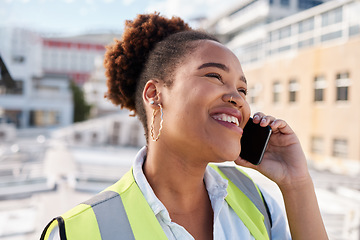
243	91
214	75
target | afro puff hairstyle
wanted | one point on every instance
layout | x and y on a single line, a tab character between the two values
150	48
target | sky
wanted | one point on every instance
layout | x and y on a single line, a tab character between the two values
80	16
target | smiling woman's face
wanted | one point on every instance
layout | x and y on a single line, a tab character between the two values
199	117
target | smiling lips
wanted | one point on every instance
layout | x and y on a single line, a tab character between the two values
227	118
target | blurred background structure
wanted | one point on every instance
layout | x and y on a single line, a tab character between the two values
304	68
61	141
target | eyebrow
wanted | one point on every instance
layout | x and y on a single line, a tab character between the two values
242	78
212	64
220	66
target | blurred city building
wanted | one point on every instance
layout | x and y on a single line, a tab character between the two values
73	55
96	145
7	129
94	90
304	68
249	16
81	58
38	99
42	69
110	130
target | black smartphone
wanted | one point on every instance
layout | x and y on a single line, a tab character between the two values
254	142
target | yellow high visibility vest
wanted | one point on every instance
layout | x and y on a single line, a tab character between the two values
122	212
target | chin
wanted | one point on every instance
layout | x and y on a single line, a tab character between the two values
225	151
227	158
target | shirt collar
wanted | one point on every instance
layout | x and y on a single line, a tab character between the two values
215	185
155	204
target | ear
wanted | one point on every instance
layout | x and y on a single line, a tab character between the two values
151	93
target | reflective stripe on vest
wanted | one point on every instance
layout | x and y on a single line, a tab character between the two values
240	186
109	211
122	212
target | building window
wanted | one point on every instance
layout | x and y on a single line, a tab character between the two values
44	118
319	86
134	135
293	89
284	48
354	30
78	137
331	36
306	43
305	4
317	145
274	36
276	92
340	148
18	59
254	93
331	17
284	3
94	137
342	86
250	52
115	133
285	32
16	89
306	25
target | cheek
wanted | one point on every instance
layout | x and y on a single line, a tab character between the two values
246	111
247	108
188	107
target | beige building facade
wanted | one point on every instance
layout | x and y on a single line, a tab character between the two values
316	90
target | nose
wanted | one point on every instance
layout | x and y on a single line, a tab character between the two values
234	99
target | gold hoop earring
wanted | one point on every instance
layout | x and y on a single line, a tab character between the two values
152	128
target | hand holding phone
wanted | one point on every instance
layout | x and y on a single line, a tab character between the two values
254	142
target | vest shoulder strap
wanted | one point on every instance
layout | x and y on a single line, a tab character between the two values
58	221
256	206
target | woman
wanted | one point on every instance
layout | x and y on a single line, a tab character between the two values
189	91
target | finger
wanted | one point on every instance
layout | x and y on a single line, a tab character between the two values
262	119
257	117
266	120
279	125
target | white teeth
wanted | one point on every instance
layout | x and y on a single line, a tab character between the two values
227	118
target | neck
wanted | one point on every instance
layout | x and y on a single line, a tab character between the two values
176	179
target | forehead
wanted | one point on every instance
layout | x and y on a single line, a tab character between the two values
211	51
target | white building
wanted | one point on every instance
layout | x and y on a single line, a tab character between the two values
81	58
43	68
38	100
335	20
111	130
94	90
74	55
251	15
